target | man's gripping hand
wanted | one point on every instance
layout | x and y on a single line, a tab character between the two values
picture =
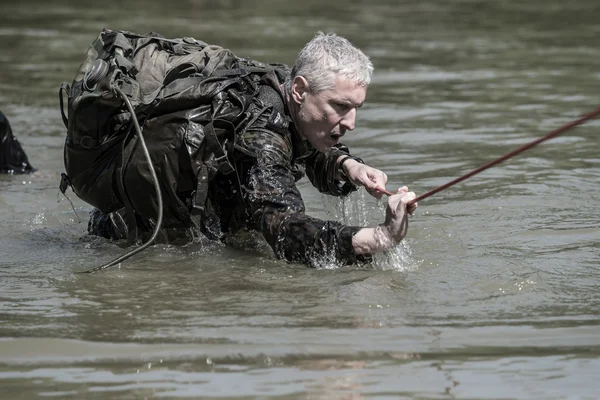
362	175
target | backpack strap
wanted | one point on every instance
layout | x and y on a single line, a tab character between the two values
222	164
218	148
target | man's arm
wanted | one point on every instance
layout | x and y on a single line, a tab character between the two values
277	211
323	172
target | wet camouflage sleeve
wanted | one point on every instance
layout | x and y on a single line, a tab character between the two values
277	208
321	169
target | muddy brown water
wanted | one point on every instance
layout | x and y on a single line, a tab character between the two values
494	294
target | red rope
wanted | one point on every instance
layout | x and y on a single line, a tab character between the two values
508	155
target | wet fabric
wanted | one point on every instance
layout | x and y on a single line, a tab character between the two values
269	164
13	159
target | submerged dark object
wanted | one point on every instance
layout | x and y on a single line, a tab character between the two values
13	159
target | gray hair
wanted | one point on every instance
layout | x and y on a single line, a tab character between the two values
325	57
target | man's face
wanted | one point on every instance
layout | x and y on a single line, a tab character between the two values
324	117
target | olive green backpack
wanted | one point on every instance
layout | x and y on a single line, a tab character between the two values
189	99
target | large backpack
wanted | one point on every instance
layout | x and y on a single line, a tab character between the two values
190	99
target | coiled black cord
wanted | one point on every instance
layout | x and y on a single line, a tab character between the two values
156	186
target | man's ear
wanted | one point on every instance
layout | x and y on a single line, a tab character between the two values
299	88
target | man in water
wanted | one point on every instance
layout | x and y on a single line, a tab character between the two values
13	159
311	110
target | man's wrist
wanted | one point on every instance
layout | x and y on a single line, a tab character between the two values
346	160
372	240
383	237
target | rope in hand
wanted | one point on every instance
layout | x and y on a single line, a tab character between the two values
506	156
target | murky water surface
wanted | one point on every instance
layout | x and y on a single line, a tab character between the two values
494	294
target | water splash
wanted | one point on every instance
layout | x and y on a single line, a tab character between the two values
39	220
398	258
358	209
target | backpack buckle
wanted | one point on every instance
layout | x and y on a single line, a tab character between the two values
223	164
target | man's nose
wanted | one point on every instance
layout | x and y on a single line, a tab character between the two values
349	120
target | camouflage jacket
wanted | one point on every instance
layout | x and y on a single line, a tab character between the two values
269	160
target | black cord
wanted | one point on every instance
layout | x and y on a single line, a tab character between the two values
156	186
